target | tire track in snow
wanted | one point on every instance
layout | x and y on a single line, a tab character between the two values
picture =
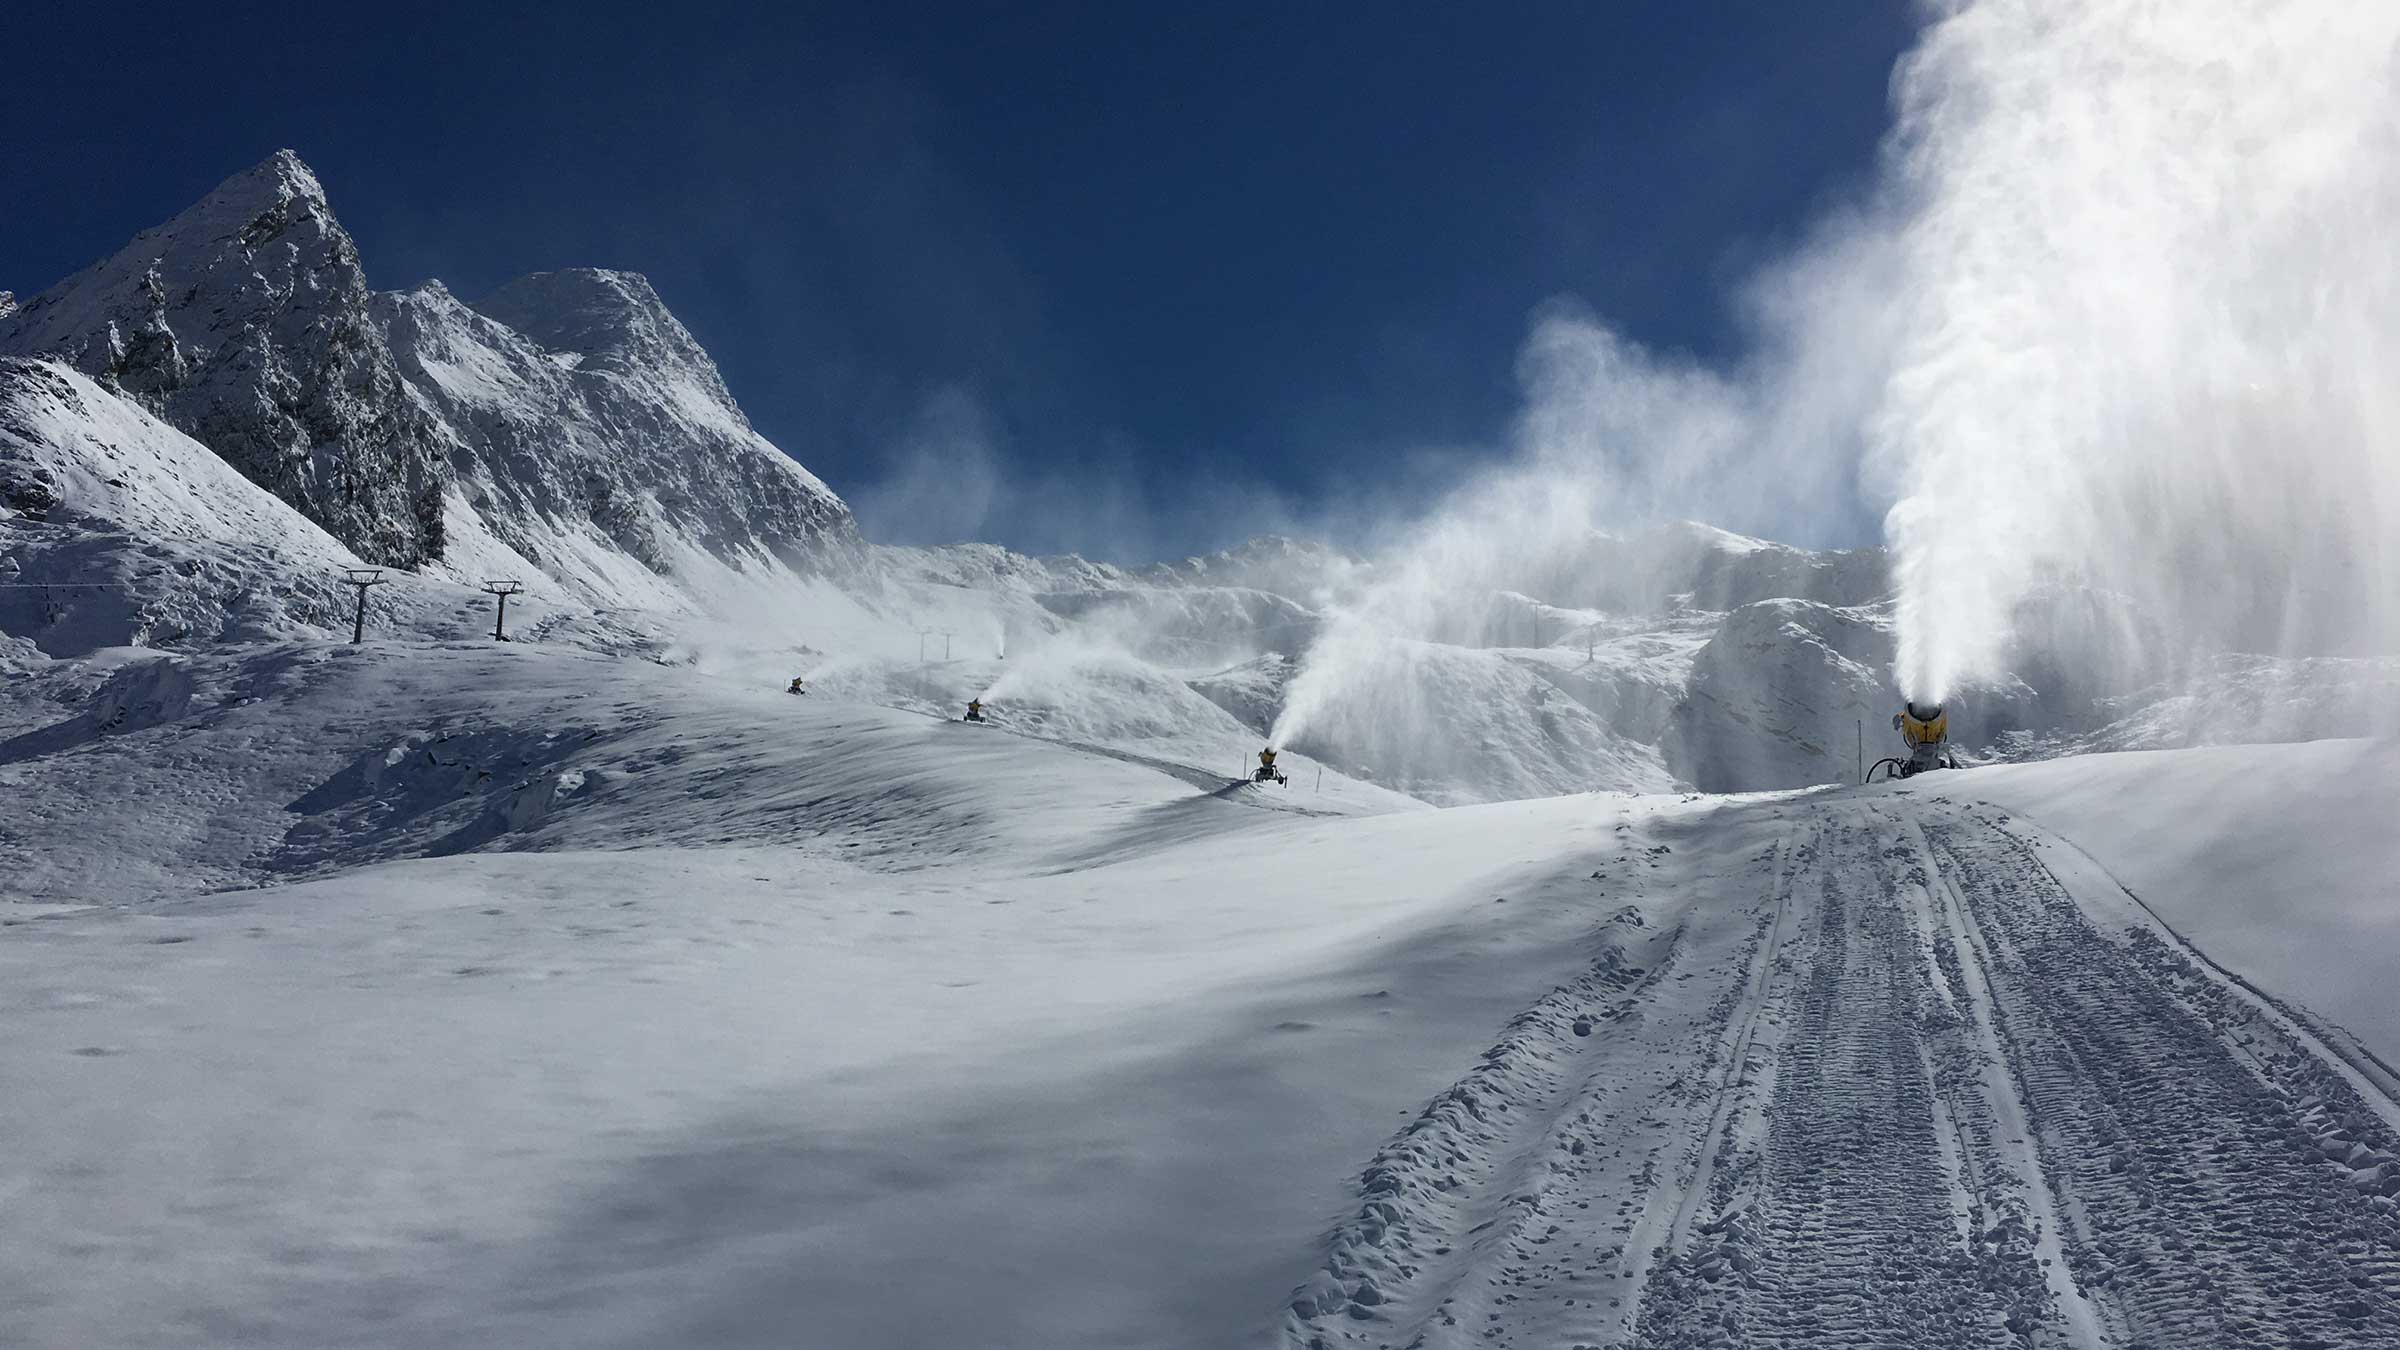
1742	1009
2013	1174
1928	1103
1736	1063
2211	1164
1508	1205
1852	1237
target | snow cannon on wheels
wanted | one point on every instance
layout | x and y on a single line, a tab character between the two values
974	710
1267	772
799	685
1926	730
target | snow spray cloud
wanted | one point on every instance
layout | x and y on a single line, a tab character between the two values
2111	337
1611	436
2148	325
953	473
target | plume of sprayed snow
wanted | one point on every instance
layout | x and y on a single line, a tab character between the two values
1611	434
2148	325
2113	337
1052	670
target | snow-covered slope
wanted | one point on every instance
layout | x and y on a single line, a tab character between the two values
118	530
2234	700
1778	694
256	764
1685	564
2280	861
610	1004
1458	724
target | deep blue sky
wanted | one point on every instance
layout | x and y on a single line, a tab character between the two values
1159	256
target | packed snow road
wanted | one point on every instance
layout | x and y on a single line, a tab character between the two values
1910	1089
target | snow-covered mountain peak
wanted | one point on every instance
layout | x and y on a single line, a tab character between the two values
592	436
266	237
613	320
281	181
243	322
569	422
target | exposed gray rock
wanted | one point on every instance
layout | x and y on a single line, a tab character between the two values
244	323
585	429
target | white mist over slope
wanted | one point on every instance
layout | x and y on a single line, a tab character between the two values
2111	339
1611	432
2150	315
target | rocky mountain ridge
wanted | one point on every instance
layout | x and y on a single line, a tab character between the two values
570	424
243	322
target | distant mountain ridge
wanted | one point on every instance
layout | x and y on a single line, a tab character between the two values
569	422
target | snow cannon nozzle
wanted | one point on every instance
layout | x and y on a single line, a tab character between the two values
1925	729
1267	772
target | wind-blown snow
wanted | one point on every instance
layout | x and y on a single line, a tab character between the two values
2147	299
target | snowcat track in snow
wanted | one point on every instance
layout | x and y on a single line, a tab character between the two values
1934	1104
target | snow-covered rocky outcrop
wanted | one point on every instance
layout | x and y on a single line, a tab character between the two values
592	436
570	428
118	530
244	323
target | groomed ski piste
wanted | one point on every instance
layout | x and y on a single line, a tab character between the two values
425	993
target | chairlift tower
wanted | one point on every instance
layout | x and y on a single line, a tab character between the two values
501	590
364	578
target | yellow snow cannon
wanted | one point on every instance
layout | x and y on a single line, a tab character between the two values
1925	729
1267	772
798	685
974	710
